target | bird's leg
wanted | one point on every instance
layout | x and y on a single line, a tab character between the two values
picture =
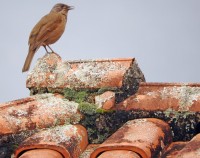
50	48
45	49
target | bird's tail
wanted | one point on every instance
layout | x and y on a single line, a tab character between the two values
28	60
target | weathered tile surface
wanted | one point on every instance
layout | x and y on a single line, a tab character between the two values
69	140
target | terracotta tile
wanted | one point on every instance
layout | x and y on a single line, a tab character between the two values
163	96
16	102
119	154
51	72
146	137
189	149
41	153
106	100
172	150
36	112
69	141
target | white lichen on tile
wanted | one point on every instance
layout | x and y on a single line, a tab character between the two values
60	72
17	113
13	120
101	99
136	122
151	132
90	74
67	136
59	134
14	117
45	110
57	108
43	67
48	101
51	72
186	95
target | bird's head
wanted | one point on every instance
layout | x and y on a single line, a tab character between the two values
61	8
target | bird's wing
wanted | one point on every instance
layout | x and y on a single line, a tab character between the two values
39	33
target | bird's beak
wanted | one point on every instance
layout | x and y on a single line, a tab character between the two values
70	8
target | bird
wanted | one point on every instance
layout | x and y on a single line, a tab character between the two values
47	31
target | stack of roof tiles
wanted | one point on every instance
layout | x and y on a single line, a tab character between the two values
100	109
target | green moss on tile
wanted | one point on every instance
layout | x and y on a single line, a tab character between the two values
87	108
85	99
102	111
74	95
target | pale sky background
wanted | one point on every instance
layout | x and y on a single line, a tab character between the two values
163	36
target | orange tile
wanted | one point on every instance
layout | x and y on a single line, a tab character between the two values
189	149
41	153
51	72
163	96
106	100
172	150
147	137
36	112
69	141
